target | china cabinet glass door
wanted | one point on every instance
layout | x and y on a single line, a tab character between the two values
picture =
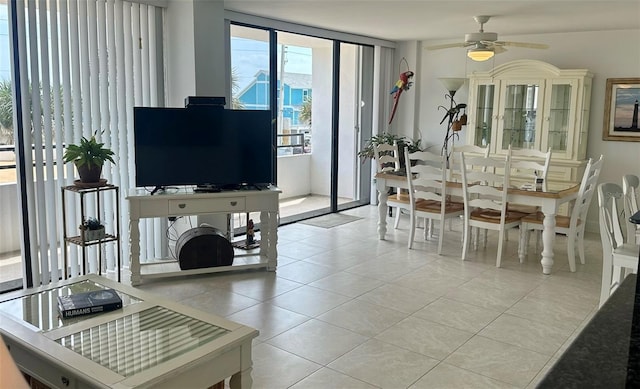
519	116
483	120
558	120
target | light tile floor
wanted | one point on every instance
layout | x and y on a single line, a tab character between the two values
346	310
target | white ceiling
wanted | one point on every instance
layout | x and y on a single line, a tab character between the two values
400	20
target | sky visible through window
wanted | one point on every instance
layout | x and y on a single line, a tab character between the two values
250	56
5	65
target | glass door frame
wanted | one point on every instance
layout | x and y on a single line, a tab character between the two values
365	116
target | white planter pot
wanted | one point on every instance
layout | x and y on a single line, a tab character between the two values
90	235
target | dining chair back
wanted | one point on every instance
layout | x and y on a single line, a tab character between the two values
469	150
529	165
630	185
616	254
427	182
485	198
454	169
572	226
387	159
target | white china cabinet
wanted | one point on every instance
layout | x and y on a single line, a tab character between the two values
531	104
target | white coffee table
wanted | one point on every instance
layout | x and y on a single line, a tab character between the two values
150	342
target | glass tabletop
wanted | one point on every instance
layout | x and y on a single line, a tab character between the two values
40	310
140	341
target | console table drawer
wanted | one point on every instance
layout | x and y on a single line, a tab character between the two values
197	206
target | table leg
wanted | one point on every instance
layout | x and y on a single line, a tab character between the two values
271	229
241	380
524	242
134	243
382	208
265	232
548	237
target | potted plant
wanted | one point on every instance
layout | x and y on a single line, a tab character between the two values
386	138
89	157
91	229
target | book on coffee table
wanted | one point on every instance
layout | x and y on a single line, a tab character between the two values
88	303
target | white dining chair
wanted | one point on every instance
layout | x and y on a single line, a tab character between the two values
469	150
485	198
388	160
572	226
529	165
454	165
630	185
617	256
428	193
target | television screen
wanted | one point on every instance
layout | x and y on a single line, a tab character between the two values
202	145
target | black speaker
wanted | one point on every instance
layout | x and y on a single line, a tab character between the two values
202	247
218	101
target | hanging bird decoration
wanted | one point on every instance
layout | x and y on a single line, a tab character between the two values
403	84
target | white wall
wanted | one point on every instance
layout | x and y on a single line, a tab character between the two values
293	175
195	50
321	125
406	120
179	52
607	54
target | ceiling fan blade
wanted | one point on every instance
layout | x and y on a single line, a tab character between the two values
446	46
522	44
498	49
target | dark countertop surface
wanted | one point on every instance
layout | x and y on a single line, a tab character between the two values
599	356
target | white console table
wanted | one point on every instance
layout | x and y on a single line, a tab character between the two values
187	203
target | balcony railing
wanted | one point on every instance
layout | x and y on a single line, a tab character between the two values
291	144
12	148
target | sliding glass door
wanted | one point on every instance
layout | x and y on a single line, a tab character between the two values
322	94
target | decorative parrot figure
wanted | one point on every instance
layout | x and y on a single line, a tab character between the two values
403	84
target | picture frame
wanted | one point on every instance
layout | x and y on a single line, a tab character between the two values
621	110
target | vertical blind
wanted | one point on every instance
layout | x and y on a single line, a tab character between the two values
83	66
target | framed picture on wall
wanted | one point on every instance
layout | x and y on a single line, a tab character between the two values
621	110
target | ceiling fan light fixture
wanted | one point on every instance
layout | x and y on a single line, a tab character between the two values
480	54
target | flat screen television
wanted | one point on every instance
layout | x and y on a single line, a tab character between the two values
206	146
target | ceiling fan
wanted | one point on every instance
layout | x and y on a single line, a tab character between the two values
483	45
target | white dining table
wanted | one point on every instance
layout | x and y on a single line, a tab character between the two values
548	200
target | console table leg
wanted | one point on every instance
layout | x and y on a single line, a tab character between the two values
134	242
269	239
264	234
273	241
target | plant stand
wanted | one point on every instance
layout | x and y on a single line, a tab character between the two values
86	238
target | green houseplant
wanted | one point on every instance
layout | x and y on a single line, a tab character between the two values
386	138
89	157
